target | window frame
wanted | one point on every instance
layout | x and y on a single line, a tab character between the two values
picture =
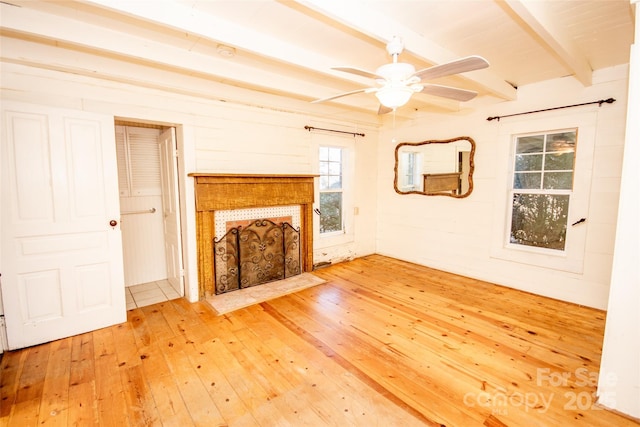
572	259
540	191
330	190
411	171
325	241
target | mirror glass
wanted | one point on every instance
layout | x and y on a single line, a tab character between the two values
435	168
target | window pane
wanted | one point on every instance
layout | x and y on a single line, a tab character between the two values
335	154
324	182
324	168
530	144
527	180
334	168
331	212
408	180
324	153
531	162
564	142
539	220
558	161
558	180
334	182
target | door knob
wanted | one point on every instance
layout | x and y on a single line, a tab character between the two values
113	223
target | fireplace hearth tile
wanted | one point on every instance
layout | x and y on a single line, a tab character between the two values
231	301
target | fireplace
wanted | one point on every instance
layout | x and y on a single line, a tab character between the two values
220	193
255	246
260	252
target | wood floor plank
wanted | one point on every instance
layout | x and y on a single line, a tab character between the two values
28	401
169	404
370	363
53	409
309	407
141	407
112	404
201	407
24	414
314	368
154	348
222	392
126	350
382	342
236	369
157	323
11	368
83	403
260	401
402	334
33	374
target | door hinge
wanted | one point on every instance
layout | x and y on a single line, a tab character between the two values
4	341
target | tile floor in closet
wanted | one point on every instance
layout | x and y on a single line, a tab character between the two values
149	293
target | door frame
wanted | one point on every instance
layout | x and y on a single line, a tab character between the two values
183	188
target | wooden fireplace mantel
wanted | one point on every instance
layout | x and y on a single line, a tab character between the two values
235	191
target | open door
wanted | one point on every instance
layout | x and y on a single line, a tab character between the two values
61	244
171	209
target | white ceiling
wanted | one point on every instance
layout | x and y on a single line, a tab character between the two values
287	48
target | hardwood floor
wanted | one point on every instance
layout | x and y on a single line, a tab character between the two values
382	343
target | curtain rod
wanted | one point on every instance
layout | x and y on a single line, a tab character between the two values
600	102
310	128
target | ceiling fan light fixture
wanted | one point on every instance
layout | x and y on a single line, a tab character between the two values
396	71
397	81
394	97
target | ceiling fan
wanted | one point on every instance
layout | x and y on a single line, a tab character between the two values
397	81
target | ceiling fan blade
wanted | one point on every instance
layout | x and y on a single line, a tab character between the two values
384	110
470	63
358	71
353	92
449	92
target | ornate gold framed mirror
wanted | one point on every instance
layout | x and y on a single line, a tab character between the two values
435	167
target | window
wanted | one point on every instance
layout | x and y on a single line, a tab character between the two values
542	187
331	190
409	172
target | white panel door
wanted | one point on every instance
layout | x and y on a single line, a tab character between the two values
171	208
61	259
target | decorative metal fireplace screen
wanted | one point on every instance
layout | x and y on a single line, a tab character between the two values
259	253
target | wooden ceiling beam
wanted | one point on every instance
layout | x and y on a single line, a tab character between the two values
552	33
34	26
179	16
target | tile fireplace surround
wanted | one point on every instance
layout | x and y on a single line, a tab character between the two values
215	192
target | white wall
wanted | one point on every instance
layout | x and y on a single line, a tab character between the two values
619	382
142	240
459	235
216	137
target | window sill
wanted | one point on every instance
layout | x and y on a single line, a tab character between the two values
538	257
332	239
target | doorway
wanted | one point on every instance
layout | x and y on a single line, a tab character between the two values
149	213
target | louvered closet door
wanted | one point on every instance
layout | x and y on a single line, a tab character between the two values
140	193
